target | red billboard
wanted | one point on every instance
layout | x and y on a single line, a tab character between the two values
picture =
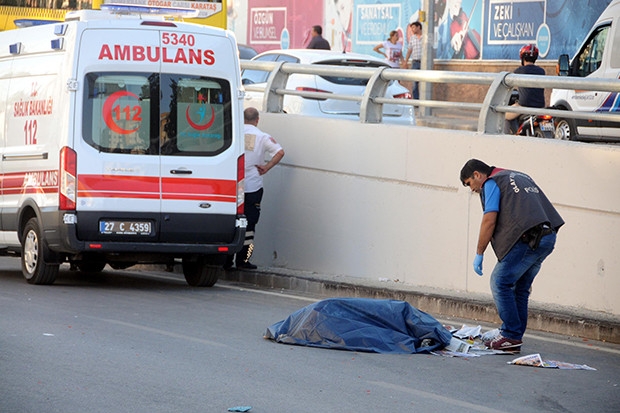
282	24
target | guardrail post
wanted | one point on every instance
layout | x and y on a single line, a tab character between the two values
491	121
272	101
370	111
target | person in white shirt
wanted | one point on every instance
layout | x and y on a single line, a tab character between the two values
258	144
392	49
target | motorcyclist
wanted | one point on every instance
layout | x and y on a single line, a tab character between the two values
528	96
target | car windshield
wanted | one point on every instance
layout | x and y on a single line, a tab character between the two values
342	80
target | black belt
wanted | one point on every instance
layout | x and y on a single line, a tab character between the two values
533	235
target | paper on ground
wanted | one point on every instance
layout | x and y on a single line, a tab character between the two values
535	360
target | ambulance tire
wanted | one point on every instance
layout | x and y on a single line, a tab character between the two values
202	271
34	267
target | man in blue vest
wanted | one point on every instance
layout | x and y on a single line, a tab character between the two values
521	225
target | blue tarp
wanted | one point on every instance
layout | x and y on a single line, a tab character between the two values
362	324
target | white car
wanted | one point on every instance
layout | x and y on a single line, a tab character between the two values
332	84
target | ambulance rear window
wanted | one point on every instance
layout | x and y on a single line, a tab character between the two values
157	114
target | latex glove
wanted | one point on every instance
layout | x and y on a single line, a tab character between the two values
478	264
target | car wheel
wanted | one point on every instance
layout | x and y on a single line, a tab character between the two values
34	267
565	129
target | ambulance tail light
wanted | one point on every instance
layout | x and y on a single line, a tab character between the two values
240	184
68	179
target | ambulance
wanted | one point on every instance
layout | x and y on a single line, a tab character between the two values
598	57
121	143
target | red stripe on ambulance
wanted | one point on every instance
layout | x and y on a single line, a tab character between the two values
185	189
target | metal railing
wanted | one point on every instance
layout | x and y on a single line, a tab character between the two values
490	112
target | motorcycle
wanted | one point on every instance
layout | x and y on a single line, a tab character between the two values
539	126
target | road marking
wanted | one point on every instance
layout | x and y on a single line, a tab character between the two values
279	294
159	331
443	399
575	344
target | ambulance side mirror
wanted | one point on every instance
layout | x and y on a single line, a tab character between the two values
563	65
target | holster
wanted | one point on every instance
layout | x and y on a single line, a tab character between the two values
533	235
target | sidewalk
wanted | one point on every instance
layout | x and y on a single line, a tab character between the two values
554	319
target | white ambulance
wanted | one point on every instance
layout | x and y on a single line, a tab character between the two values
121	143
597	58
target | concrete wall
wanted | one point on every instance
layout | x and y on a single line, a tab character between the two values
383	201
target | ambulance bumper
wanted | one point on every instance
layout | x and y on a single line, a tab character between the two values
65	240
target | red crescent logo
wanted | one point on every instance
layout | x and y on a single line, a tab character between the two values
107	111
200	127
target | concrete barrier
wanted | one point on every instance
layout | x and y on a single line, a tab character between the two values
377	202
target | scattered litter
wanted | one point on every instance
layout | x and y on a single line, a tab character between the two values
48	334
458	346
449	353
535	360
239	409
468	342
467	332
490	335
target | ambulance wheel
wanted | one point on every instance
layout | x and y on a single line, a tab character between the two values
202	271
34	267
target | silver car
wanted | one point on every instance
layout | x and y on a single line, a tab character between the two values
332	84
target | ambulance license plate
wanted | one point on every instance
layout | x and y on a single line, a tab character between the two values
126	227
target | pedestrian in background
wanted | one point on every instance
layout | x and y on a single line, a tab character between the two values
414	51
318	41
392	49
258	145
521	225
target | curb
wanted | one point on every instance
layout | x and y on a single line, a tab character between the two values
560	320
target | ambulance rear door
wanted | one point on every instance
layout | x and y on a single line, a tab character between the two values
155	163
200	115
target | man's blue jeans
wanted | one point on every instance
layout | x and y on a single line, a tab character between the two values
511	282
415	92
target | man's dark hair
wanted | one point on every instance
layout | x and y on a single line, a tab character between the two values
474	165
318	29
417	24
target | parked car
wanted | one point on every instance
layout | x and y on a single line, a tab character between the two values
246	52
332	84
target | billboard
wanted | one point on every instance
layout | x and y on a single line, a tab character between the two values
460	29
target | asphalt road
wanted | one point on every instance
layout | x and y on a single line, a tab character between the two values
140	341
